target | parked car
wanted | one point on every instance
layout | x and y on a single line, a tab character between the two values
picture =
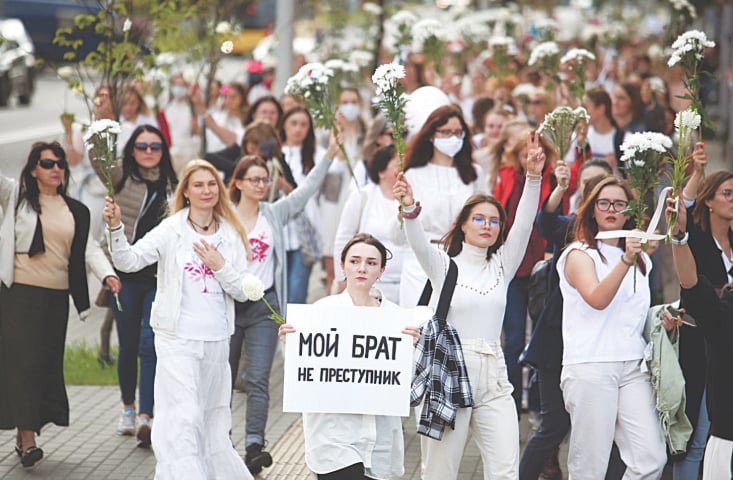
17	62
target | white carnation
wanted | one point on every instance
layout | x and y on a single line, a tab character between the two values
386	77
693	41
223	28
578	55
423	30
687	119
253	288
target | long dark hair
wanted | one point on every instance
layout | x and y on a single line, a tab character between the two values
249	118
420	150
453	240
243	165
130	168
308	150
28	190
599	97
586	226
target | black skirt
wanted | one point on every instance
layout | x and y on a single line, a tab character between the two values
33	324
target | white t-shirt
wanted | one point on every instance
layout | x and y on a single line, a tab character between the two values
222	118
203	307
613	334
601	144
262	265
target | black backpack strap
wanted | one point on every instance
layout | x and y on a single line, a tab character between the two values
446	293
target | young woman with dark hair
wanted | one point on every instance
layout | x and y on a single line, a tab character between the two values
265	223
45	250
486	262
627	108
341	446
443	175
144	182
303	249
607	394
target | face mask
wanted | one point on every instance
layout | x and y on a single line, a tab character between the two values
178	91
448	146
350	111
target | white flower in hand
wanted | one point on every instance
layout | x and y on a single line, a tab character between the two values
253	288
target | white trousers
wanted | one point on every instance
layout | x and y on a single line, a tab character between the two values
192	412
492	421
718	459
607	402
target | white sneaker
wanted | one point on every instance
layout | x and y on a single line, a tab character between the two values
126	425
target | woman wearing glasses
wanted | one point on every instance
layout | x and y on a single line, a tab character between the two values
45	249
607	394
486	263
265	223
144	181
442	175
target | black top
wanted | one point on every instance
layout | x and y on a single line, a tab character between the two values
715	319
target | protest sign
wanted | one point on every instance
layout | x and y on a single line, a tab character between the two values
345	359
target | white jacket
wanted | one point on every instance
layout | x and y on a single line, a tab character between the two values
165	244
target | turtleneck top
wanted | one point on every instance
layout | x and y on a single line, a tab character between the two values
479	300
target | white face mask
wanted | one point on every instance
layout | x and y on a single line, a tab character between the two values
178	91
448	146
350	111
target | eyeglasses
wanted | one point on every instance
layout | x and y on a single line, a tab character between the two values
155	146
483	221
727	193
48	163
446	132
258	180
618	205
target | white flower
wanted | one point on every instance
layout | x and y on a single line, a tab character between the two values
473	30
386	77
361	58
372	8
253	288
543	50
337	64
687	119
581	114
127	25
692	41
637	145
65	73
500	42
423	30
403	18
227	46
577	54
681	5
165	59
524	90
223	28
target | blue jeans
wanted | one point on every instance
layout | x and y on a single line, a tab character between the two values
515	326
689	466
135	338
298	275
258	334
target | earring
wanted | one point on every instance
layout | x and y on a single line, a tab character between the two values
710	209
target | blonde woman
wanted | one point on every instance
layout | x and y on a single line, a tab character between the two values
201	251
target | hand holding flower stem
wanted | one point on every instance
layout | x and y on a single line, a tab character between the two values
254	290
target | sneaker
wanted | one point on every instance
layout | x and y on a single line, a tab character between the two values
143	432
256	458
551	470
126	425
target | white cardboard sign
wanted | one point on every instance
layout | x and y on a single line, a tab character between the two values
346	359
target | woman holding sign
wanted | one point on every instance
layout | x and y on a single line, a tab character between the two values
486	264
608	395
340	446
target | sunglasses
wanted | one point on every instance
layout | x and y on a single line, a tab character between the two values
48	163
155	146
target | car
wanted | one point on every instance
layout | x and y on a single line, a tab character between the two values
17	62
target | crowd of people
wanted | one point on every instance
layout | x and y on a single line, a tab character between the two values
482	200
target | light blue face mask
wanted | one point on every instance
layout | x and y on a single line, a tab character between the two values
449	146
350	111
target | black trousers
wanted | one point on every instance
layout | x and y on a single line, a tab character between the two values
352	472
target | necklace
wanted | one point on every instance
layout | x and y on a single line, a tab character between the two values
205	228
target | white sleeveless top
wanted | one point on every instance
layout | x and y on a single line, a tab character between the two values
613	334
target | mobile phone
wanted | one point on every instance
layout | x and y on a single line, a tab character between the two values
685	317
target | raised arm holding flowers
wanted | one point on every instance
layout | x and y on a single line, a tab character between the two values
558	128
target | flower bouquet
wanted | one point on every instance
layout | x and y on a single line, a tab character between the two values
314	84
643	157
500	57
545	57
401	25
687	52
428	38
392	101
558	128
575	60
685	123
254	290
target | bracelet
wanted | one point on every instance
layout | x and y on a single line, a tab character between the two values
628	264
681	242
414	211
533	176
